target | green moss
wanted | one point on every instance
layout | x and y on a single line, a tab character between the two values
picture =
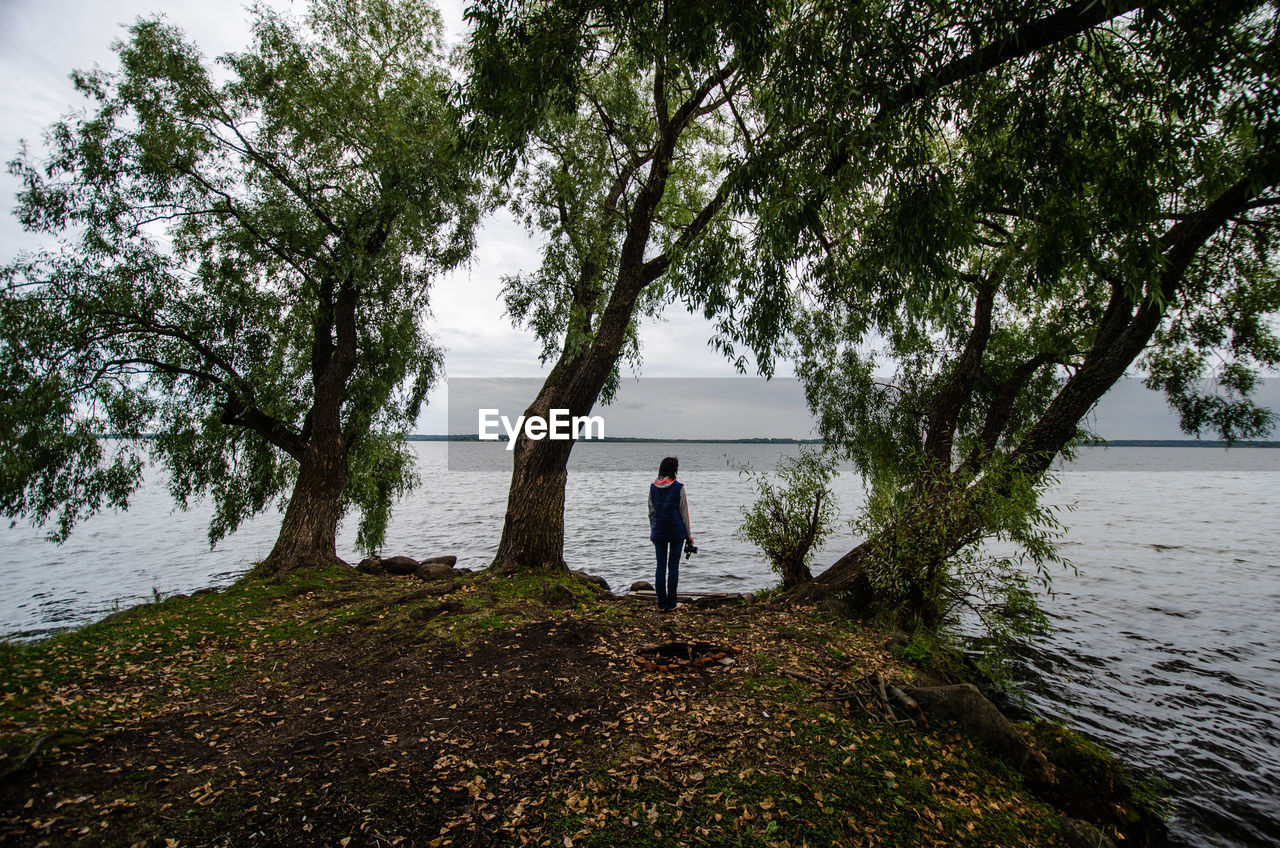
1093	785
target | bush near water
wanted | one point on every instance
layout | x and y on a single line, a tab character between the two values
337	708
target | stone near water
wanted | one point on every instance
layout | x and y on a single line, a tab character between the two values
448	560
641	586
399	565
592	580
371	565
434	570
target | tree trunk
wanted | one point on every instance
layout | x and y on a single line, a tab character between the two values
794	573
533	529
846	575
308	533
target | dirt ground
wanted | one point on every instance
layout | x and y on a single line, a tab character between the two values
325	744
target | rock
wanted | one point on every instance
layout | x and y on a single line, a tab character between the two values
719	600
371	565
977	718
557	595
450	561
1078	833
592	580
399	565
641	586
433	570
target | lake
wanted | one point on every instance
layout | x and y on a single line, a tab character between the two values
1164	646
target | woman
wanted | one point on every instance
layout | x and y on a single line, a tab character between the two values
669	528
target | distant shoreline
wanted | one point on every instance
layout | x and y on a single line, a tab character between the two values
629	440
1181	443
1111	443
650	440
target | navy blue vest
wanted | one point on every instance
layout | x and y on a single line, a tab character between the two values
668	526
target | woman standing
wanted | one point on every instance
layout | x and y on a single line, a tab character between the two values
669	528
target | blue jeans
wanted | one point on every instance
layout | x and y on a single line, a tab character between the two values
668	573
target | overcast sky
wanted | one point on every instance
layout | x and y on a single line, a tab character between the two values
41	41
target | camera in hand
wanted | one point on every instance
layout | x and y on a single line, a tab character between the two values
689	550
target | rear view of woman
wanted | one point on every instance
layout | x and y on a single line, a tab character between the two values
669	528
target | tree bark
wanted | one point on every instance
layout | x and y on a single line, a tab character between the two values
929	549
533	529
308	533
795	573
847	575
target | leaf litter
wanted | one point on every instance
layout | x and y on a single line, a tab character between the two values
343	715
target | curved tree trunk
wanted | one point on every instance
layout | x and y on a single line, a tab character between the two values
1122	334
533	529
845	575
308	533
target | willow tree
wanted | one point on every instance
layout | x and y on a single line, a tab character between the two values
644	137
1108	204
242	270
617	121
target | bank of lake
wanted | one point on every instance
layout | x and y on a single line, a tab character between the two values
332	707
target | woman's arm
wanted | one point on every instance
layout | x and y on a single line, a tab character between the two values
684	514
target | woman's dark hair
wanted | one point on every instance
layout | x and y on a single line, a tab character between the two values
669	467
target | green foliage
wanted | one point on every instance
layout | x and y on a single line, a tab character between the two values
792	516
997	254
244	261
930	565
616	128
